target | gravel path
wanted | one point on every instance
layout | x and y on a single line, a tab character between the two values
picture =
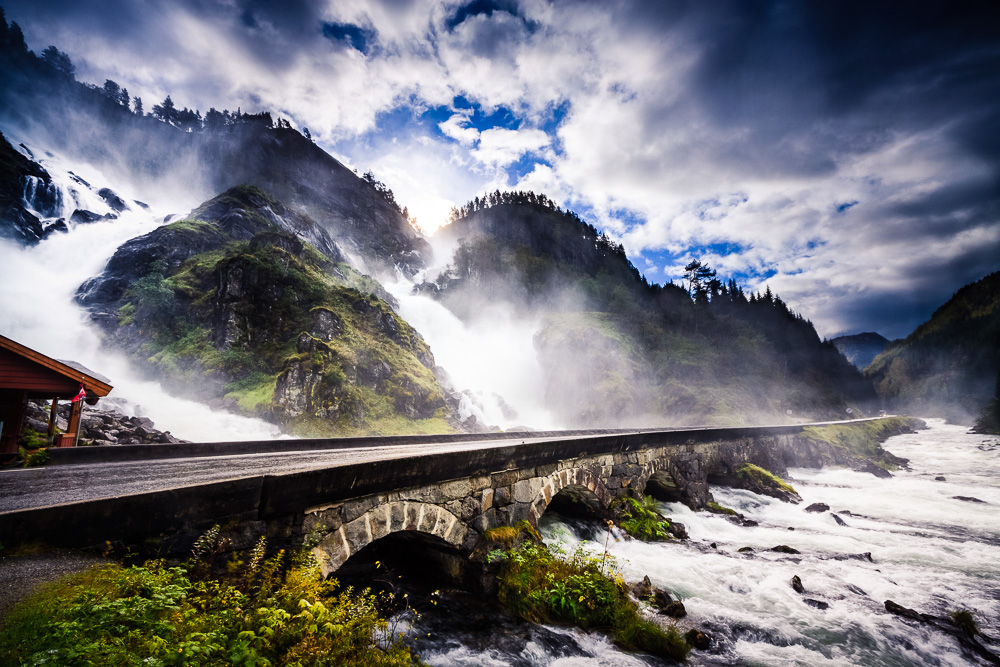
21	575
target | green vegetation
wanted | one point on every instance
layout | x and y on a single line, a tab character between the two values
275	611
616	350
586	590
641	519
947	367
862	439
716	508
761	477
278	329
964	619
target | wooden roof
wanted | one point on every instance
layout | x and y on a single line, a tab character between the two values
22	368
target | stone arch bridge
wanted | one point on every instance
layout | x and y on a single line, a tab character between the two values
511	484
446	495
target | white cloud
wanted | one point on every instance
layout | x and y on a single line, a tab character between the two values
457	127
499	147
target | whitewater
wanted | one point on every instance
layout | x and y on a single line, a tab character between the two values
929	551
37	309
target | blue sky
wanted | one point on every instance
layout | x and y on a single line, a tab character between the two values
845	153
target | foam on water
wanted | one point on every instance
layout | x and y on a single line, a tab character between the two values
931	553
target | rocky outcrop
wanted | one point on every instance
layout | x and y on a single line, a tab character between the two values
107	423
16	173
248	305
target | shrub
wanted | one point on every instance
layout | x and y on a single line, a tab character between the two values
964	619
641	519
36	457
585	590
265	612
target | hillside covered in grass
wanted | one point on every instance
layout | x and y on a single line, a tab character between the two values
948	366
616	350
247	304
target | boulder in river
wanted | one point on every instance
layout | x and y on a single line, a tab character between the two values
784	549
797	584
698	639
675	610
818	507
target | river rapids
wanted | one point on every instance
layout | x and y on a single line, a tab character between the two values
930	551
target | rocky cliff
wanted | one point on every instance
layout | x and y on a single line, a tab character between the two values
248	304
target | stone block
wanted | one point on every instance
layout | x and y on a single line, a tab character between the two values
501	496
422	494
527	490
485	521
526	473
357	534
352	509
398	513
505	478
380	521
480	482
546	470
518	512
486	500
412	518
459	488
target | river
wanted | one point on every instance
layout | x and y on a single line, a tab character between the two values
929	551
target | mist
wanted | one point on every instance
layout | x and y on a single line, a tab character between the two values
39	310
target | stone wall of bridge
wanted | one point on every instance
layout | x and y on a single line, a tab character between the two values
457	513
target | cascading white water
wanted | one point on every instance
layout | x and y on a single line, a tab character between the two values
37	307
930	552
493	360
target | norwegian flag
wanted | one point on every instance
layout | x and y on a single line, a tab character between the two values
82	394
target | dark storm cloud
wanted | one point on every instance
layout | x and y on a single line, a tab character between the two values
871	128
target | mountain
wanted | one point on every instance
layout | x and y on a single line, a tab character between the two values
617	351
860	349
184	154
948	366
247	304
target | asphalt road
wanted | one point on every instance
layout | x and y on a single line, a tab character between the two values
24	488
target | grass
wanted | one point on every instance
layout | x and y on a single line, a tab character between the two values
256	390
716	508
763	477
584	590
276	611
862	439
641	519
283	295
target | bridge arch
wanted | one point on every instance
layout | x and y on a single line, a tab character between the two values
391	517
550	486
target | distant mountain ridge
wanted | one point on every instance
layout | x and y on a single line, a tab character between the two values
948	366
860	349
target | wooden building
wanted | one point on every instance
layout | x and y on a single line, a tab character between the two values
25	375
